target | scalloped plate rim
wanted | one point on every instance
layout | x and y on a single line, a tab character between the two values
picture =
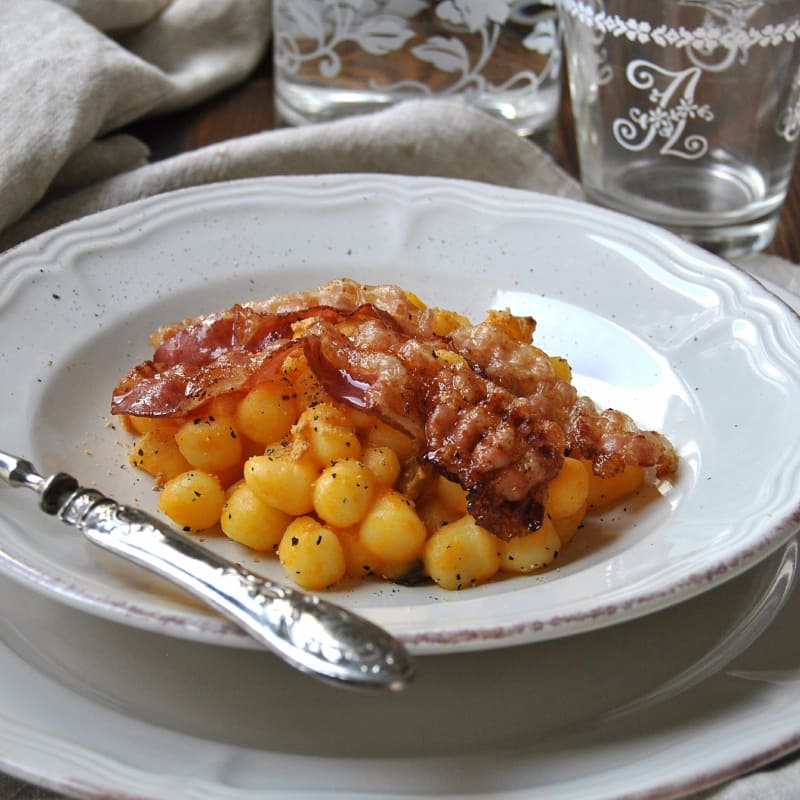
111	225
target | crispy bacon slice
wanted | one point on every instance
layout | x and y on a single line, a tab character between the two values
347	295
611	439
211	337
217	354
371	378
484	405
495	444
154	389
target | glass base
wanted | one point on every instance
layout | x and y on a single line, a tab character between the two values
303	104
726	207
729	240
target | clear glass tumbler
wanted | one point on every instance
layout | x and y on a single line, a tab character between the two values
333	58
687	112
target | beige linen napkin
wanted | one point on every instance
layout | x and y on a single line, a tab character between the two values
101	64
66	85
445	139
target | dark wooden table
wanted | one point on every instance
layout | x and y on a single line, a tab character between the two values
249	109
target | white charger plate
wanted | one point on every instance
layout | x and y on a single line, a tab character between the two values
682	341
655	708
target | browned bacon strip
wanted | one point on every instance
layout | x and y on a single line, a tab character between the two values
369	378
611	439
159	390
238	328
495	444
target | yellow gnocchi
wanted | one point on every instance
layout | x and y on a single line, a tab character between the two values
282	481
329	436
606	491
193	500
281	466
210	443
156	452
567	493
461	554
312	554
392	529
245	518
531	552
343	493
267	412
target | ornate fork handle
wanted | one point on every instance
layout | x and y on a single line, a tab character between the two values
311	634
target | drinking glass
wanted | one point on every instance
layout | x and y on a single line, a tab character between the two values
333	58
687	112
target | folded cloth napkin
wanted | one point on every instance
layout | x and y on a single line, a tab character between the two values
446	139
66	85
109	62
101	64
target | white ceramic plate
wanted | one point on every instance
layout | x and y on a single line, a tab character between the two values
682	341
97	709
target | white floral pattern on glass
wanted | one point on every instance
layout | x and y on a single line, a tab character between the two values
789	121
727	35
672	94
381	27
473	14
726	27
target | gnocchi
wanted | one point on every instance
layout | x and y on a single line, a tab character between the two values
193	500
283	466
312	554
343	493
462	554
